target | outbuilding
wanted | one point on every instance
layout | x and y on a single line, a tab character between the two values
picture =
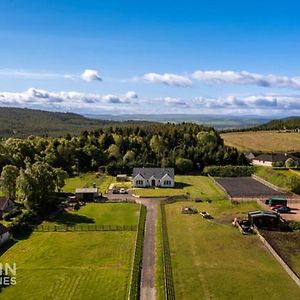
264	219
86	194
122	177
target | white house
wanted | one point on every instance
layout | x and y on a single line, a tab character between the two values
4	234
158	177
267	160
6	205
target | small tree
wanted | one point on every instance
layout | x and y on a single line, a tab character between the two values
9	178
184	165
60	178
290	163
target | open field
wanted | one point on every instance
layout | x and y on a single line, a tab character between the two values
193	185
102	214
87	180
268	141
85	265
287	244
215	261
246	187
280	178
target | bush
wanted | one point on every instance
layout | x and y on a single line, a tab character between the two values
229	171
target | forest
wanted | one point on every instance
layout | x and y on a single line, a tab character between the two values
187	147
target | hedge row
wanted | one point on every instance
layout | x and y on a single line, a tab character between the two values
134	292
168	276
229	171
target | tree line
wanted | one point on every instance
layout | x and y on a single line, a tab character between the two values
187	147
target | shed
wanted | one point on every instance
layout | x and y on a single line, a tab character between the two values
86	194
122	177
264	219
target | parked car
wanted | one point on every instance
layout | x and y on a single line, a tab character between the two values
283	210
277	206
123	191
115	191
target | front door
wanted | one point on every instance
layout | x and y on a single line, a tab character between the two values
153	182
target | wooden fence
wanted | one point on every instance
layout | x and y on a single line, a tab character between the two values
82	227
168	276
134	288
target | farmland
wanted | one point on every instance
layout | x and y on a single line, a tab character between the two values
193	185
263	141
215	261
71	265
77	265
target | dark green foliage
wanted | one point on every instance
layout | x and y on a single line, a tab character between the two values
134	293
229	171
188	147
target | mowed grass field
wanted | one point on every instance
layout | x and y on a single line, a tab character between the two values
268	141
87	180
76	265
193	185
213	260
102	214
72	265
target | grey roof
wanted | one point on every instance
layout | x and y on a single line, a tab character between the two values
3	229
86	190
280	157
260	213
158	173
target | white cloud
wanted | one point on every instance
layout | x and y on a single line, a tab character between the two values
262	104
71	100
131	95
168	79
247	78
90	75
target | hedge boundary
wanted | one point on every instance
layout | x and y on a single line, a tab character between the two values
168	276
135	280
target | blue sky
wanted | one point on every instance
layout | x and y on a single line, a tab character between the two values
221	57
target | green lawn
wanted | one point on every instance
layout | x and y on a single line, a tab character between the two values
279	178
87	180
213	260
73	265
102	214
195	186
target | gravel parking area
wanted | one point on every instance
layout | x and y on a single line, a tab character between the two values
246	187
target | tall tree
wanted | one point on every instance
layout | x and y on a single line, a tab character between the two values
9	176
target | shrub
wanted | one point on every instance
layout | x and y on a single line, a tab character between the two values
229	171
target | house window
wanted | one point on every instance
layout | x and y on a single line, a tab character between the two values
139	182
167	182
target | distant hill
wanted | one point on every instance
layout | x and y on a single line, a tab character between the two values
289	123
217	121
21	122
